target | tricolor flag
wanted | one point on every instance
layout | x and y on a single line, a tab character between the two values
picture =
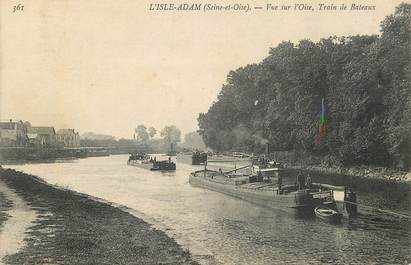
322	118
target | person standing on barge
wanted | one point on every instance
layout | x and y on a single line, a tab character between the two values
300	180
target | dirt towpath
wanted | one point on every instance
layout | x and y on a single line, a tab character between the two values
19	217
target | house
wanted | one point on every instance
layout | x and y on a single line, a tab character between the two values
13	133
42	136
68	138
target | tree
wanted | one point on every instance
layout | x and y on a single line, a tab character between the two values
393	53
27	124
152	132
365	84
194	141
142	135
171	134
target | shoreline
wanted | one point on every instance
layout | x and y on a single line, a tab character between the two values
75	228
370	173
327	165
363	172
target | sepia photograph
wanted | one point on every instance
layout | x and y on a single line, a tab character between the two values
197	132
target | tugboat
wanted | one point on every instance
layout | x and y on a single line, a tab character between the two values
165	165
141	160
171	152
263	186
198	158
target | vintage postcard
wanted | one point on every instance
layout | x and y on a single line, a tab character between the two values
249	132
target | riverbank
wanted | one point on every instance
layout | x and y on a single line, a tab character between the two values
72	228
366	172
328	166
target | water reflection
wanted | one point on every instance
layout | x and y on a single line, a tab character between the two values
234	231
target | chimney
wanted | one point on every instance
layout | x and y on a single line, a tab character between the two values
267	148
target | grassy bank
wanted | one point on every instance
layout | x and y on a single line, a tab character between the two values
328	165
74	229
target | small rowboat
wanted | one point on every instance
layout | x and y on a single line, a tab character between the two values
328	214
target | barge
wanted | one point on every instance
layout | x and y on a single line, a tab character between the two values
165	165
140	160
147	162
263	186
198	158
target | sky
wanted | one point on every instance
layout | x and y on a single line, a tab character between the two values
108	66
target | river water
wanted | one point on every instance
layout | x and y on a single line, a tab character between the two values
220	229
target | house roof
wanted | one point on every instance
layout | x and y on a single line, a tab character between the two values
8	125
66	131
41	130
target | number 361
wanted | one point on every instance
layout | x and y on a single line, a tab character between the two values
18	7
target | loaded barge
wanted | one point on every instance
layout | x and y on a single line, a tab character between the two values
198	158
140	160
263	186
146	162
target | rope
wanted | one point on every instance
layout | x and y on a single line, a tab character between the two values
380	210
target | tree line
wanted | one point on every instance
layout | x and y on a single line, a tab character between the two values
145	140
363	80
170	134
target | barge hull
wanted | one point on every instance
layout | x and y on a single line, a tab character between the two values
140	165
265	198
